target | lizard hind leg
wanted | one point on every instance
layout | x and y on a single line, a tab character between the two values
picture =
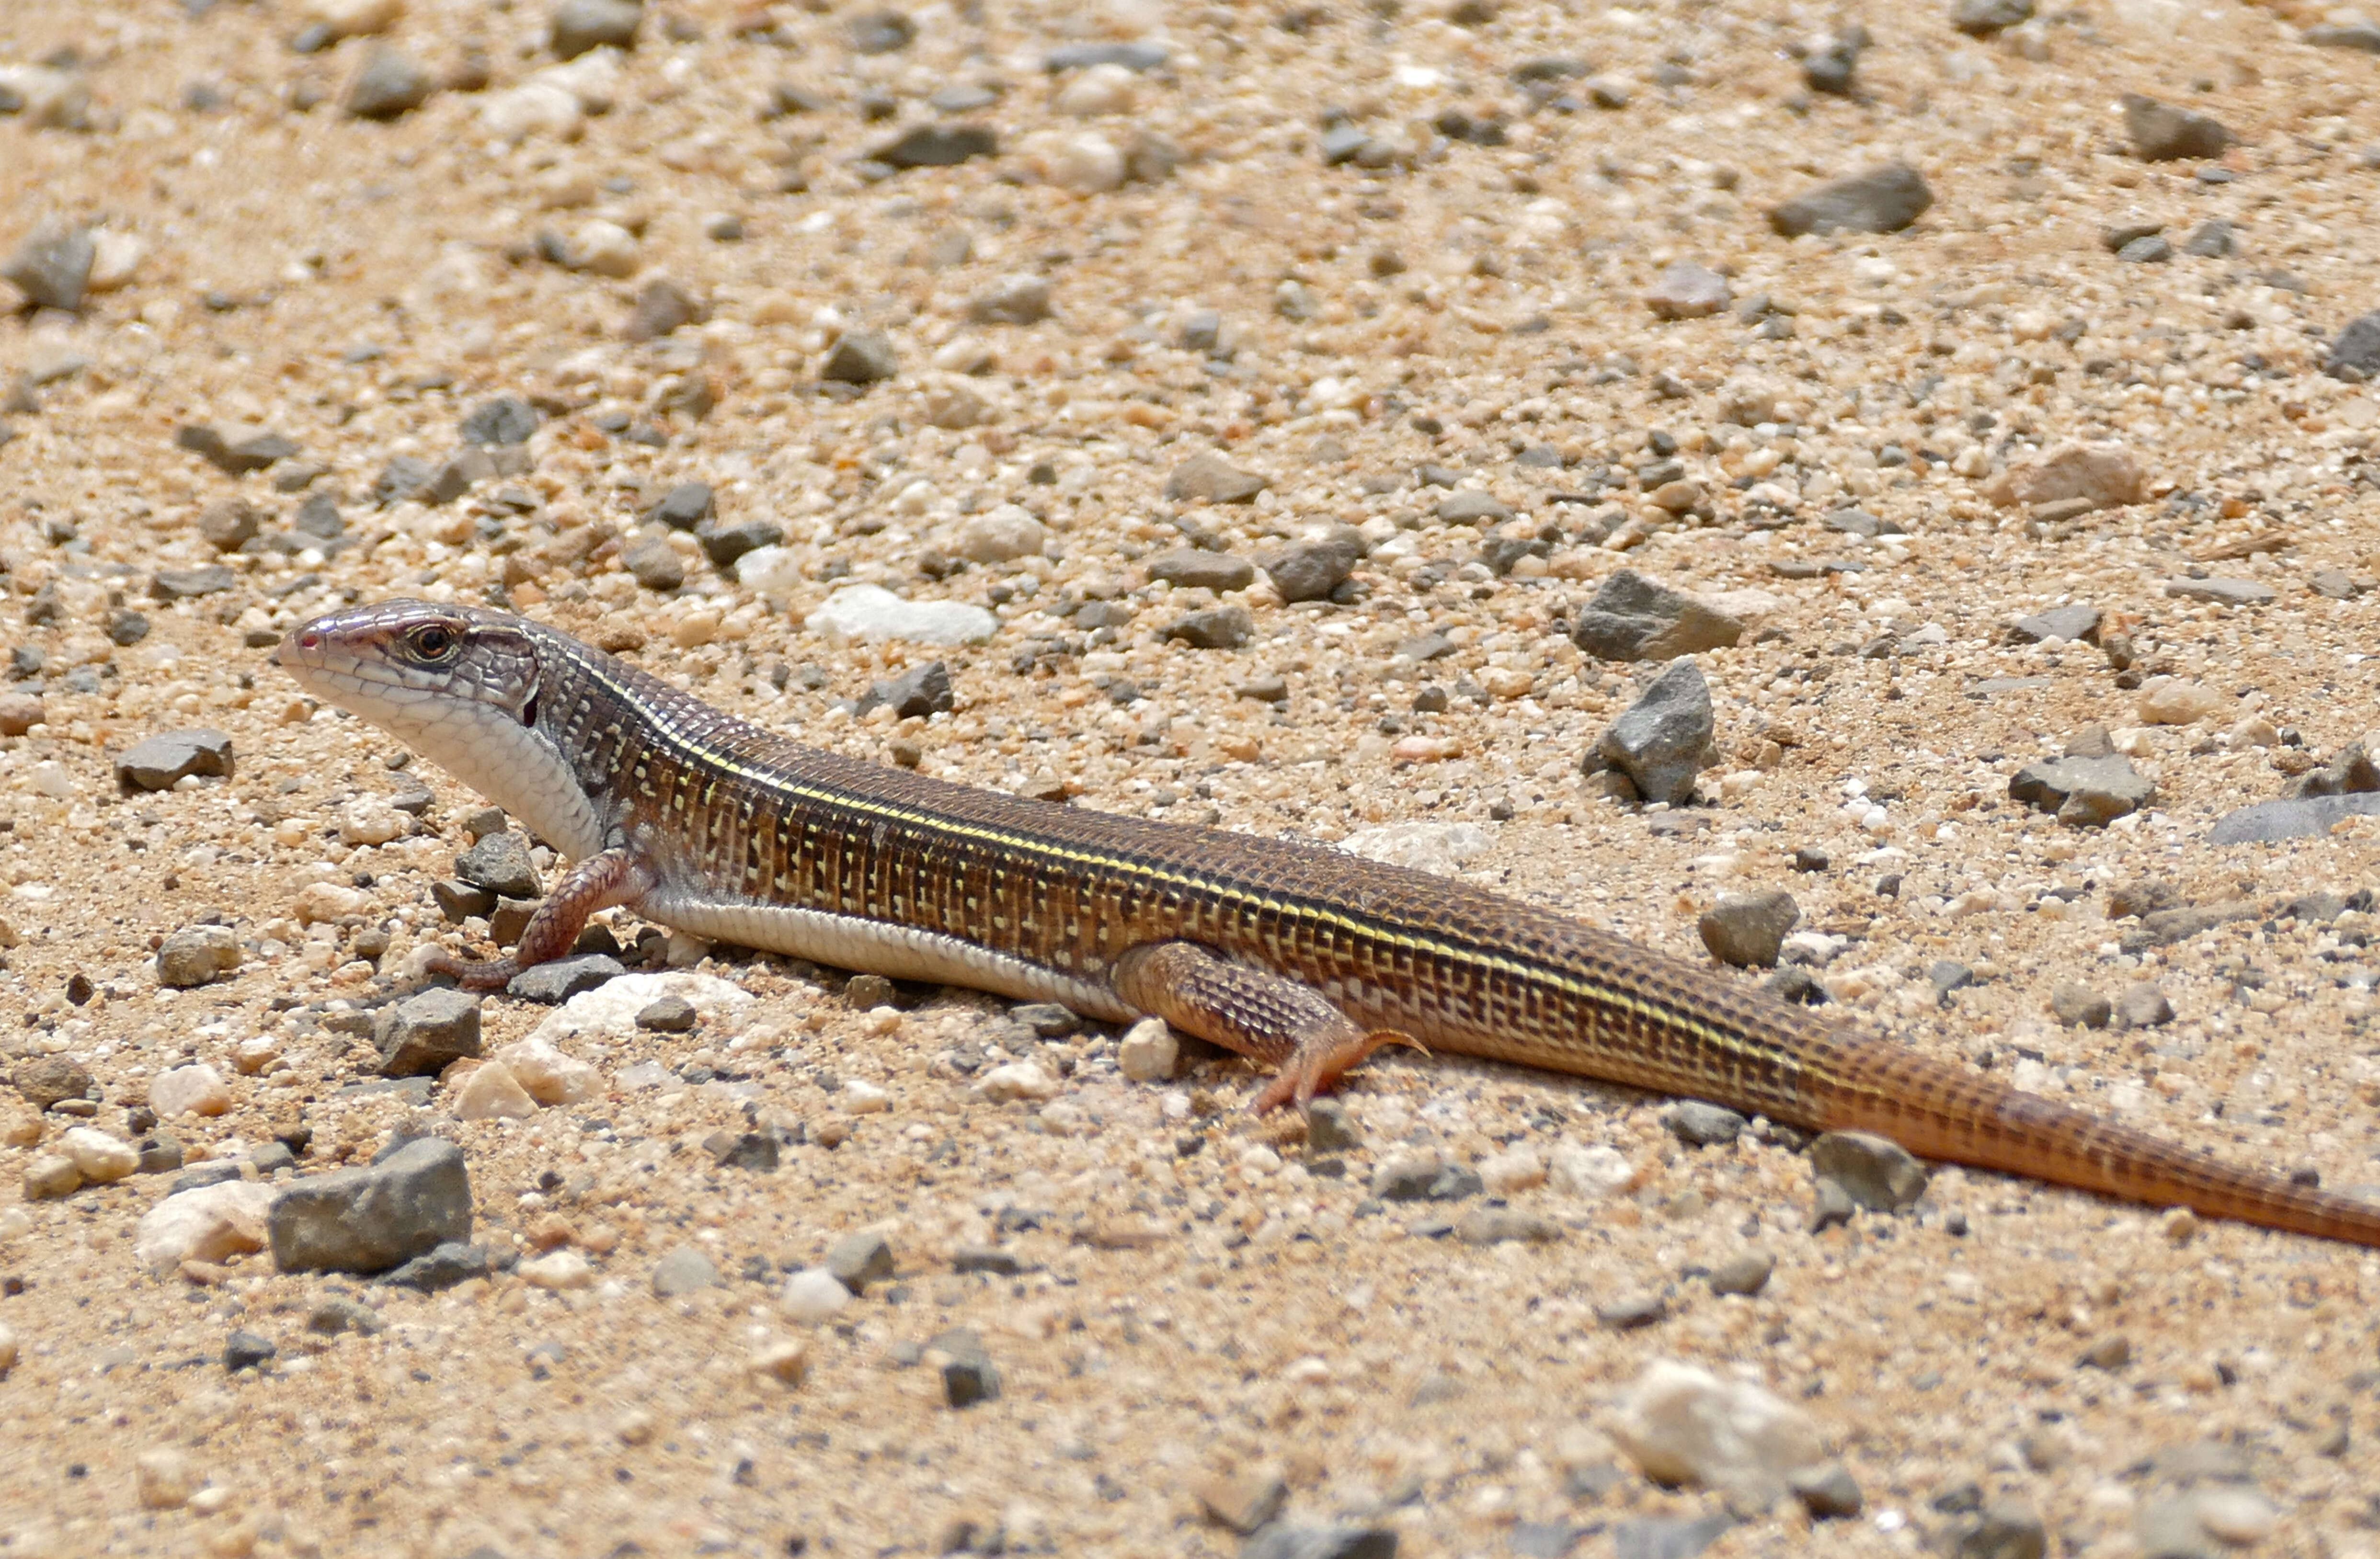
1262	1015
599	882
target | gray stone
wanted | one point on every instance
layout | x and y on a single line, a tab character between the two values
229	524
663	308
2072	1003
1630	1312
392	83
654	562
2350	770
684	506
986	1259
1423	647
189	584
1312	570
724	543
881	32
2162	133
1669	1537
1877	1173
860	357
2223	592
753	1152
251	451
668	1014
1746	1273
969	1376
1138	56
2142	1006
1883	200
371	1219
52	268
1191	568
2305	817
937	146
334	1315
1701	1125
1826	1493
1283	1540
581	25
1832	1207
45	1080
915	693
2006	1528
404	476
1021	299
563	978
506	420
155	762
1687	291
1498	1226
427	1031
1424	1180
1472	506
196	955
248	1350
1328	1128
1222	628
1207	477
2212	239
2363	37
1661	741
2083	793
1748	930
859	1259
1631	618
684	1269
458	901
2149	248
2075	621
500	864
2163	926
1343	142
1981	19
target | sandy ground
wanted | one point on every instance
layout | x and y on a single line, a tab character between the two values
1192	1299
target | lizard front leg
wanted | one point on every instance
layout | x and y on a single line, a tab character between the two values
599	882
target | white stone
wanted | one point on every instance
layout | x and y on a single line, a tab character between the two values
533	108
493	1093
954	404
49	778
870	611
770	572
609	1011
15	1224
115	258
558	1269
1441	847
2173	701
370	821
1591	1169
813	1295
209	1224
1681	1424
253	1056
865	1098
593	79
783	1360
1000	534
1103	89
1515	1169
1087	164
7	1351
100	1159
1017	1080
53	99
354	18
549	1076
605	248
1150	1051
2238	1517
319	901
196	1090
166	1478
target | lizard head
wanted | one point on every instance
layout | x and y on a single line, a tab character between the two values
416	668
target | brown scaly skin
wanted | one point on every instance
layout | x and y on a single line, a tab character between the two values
1293	954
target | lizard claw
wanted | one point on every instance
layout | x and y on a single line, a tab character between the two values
1316	1066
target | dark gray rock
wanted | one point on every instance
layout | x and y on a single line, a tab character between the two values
1876	1172
881	32
937	146
1748	930
2143	1007
654	562
1883	200
371	1219
1188	568
1827	1493
1687	291
52	268
915	693
1207	477
334	1315
754	1151
1701	1125
2304	817
1669	1537
859	1259
391	84
1472	506
421	1035
2149	248
581	25
1631	618
969	1376
458	901
684	506
2075	621
248	1350
2162	133
1981	19
506	420
2163	926
1629	1312
668	1014
440	1267
1281	1540
2212	239
404	476
126	628
1311	570
663	308
233	457
2351	770
2072	1003
558	981
500	864
1328	1128
1222	628
724	543
1662	740
861	357
1831	67
2083	793
986	1259
155	762
189	584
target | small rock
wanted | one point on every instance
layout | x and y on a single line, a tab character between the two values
860	357
668	1014
581	25
2083	793
937	146
1242	1501
870	611
1022	299
1207	477
2149	248
46	1080
557	981
421	1035
1312	570
99	1158
228	525
2172	701
1328	1129
1472	506
755	1152
2080	1004
53	267
445	1264
1631	618
2142	1006
192	1090
1516	1169
725	542
196	955
1877	1173
1748	930
969	1376
1746	1273
205	1224
155	762
1681	1424
683	1271
1001	535
662	309
813	1295
915	693
2075	622
684	506
557	1271
20	712
1496	1226
860	1258
2356	353
2110	1352
2273	821
2162	133
500	864
1284	1539
1981	19
1662	740
654	562
1687	291
50	1176
1701	1125
2212	239
491	1093
1884	199
786	1361
1669	1537
371	1219
1219	571
2223	592
390	84
2106	475
498	423
1149	1053
164	1478
2006	1528
1222	628
1826	1493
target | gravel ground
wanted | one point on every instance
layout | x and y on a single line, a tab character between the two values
1487	303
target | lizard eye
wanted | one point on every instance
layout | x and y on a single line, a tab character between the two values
434	642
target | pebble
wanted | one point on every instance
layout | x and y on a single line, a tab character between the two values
870	612
663	308
1669	1537
725	543
813	1295
1242	1500
1102	89
1284	1539
582	25
558	1271
190	584
427	1031
10	1350
1687	291
1747	930
786	1361
937	146
1681	1424
165	1479
491	1093
2142	1006
227	524
193	1090
1589	1169
1221	627
670	1014
368	820
2223	592
1876	1172
2083	793
1632	618
1001	535
500	862
2102	476
2006	1528
370	1219
155	762
555	982
1884	199
444	1265
2356	352
1701	1125
498	423
1019	299
2173	701
391	83
1663	740
46	1080
20	712
2112	1351
1746	1273
1498	1226
1472	506
1139	55
1219	571
1013	1081
860	357
1150	1052
1516	1169
1312	570
99	1158
1207	477
2073	1003
859	1258
684	1269
968	1375
50	1176
197	955
1981	19
53	267
2075	622
2273	821
2162	133
205	1224
654	562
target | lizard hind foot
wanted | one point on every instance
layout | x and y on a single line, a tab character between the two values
1320	1062
473	973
